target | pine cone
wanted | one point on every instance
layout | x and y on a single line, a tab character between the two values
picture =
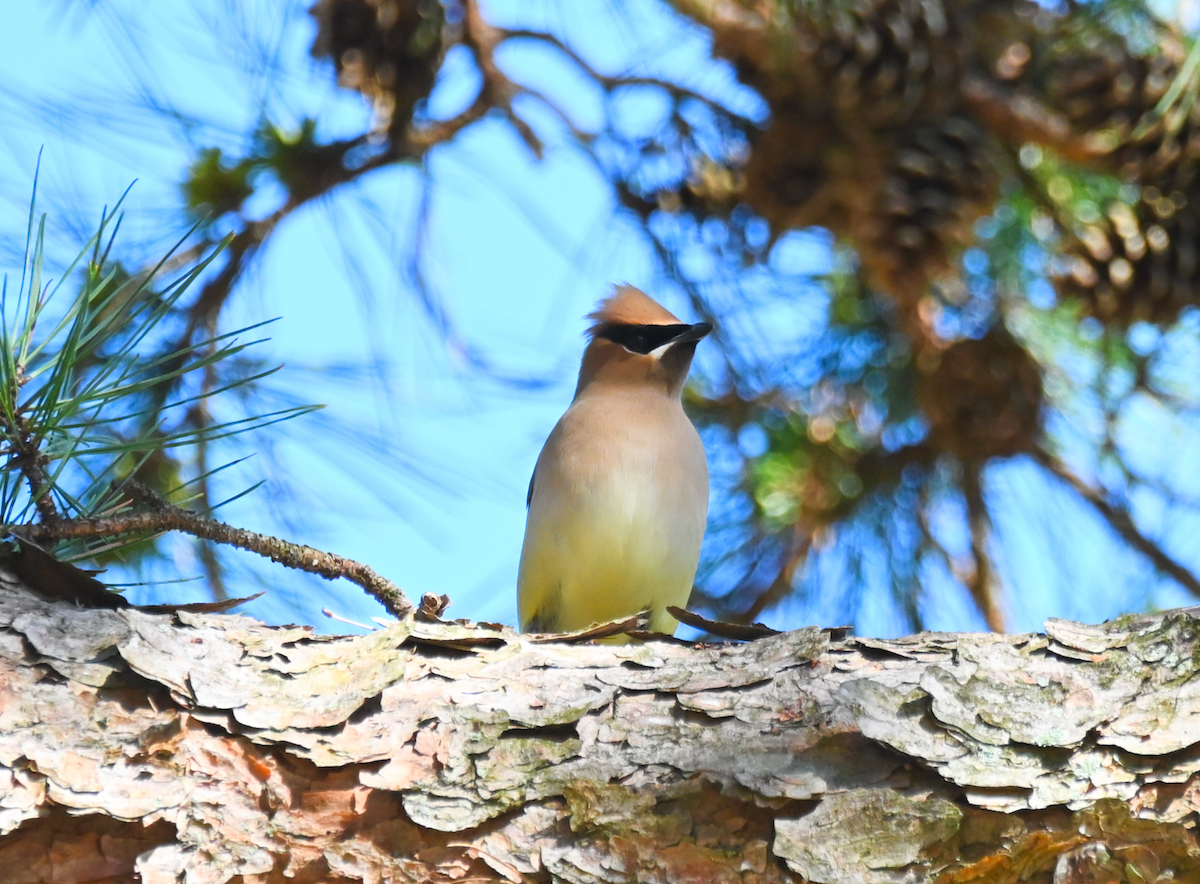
941	177
792	175
1109	96
869	63
1138	263
388	50
1107	87
982	398
881	61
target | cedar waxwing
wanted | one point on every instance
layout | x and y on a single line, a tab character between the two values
619	495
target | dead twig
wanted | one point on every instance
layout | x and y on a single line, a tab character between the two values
721	628
612	82
165	516
498	92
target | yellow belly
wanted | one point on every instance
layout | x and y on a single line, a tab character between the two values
608	549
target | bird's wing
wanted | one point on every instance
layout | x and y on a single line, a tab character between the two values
529	494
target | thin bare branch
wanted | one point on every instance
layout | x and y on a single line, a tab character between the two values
982	582
611	82
165	516
799	543
1122	523
31	461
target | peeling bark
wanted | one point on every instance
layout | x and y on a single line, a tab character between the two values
210	748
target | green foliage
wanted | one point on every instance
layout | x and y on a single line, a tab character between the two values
812	471
94	393
295	158
214	186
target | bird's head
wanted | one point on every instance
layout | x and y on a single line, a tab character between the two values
637	341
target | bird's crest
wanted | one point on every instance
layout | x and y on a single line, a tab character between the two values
630	306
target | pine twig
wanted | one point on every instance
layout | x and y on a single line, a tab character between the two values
165	516
29	459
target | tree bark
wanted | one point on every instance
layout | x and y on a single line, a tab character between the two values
211	748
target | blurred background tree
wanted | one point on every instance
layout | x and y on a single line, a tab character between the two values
950	248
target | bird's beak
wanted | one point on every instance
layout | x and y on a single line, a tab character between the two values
692	333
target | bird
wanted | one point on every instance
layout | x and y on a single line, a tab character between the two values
618	501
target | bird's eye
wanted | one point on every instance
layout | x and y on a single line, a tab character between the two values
637	344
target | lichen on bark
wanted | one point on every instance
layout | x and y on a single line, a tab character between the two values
208	748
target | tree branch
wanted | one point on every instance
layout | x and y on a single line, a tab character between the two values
165	516
981	583
1122	523
611	82
197	748
31	461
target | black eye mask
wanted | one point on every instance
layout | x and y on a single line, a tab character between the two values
642	338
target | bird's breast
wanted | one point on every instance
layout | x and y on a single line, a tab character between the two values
645	469
616	518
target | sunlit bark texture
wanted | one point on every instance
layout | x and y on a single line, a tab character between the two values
211	748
